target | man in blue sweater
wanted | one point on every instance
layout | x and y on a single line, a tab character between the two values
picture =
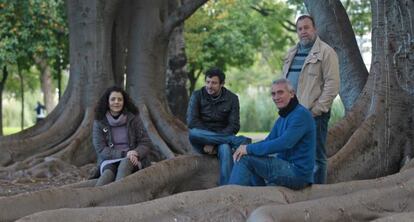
287	156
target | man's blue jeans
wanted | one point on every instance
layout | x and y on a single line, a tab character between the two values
225	147
259	171
320	170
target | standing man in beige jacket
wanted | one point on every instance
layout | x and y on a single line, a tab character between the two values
312	68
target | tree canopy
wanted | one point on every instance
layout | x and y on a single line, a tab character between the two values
233	33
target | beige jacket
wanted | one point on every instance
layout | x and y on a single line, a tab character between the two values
318	83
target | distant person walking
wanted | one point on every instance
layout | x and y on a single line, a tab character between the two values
40	112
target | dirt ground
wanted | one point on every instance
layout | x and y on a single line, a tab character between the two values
8	188
30	184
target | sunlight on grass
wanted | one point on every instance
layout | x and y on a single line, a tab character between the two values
10	130
255	136
337	111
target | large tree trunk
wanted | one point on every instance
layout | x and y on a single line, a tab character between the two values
176	76
371	141
382	118
65	133
147	64
95	27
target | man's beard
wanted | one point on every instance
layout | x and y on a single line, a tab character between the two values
307	41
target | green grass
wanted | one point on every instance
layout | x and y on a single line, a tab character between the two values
256	136
10	130
249	134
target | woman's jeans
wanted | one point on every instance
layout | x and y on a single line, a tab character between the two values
261	171
226	144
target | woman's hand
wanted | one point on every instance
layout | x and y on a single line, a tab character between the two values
132	155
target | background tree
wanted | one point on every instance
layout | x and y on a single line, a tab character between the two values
15	39
49	44
232	33
372	139
34	33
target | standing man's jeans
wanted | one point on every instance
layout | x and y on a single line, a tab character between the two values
256	171
320	170
225	147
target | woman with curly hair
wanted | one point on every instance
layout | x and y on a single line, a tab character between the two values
119	137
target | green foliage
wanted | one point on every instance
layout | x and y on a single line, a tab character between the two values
12	109
257	110
33	28
259	76
359	13
10	130
337	111
232	33
30	83
258	113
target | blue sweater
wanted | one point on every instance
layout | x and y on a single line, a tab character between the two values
293	138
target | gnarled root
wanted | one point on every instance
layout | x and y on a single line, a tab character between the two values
165	178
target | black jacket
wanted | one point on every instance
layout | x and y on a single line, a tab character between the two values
221	115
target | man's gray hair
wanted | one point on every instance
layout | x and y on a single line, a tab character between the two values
286	82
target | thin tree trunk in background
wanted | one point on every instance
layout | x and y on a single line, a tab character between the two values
2	83
193	77
21	97
59	76
46	83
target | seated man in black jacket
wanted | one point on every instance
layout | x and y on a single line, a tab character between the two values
213	119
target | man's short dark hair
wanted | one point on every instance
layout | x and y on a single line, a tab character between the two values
215	72
302	17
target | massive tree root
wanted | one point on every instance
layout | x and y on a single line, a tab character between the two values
94	25
162	179
359	206
377	133
190	173
355	200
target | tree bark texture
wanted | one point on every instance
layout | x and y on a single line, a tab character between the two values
375	135
190	173
374	139
66	131
176	76
108	39
355	200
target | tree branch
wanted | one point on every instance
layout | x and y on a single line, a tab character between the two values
181	14
263	11
291	27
